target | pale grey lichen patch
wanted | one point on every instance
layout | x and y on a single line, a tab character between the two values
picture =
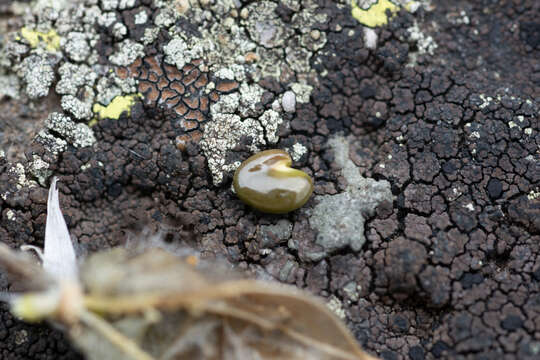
39	169
141	18
227	104
336	306
265	26
298	150
351	290
127	52
174	52
38	74
180	51
425	44
166	16
78	134
79	109
73	76
76	46
20	173
53	144
339	219
150	35
9	86
57	5
119	30
232	72
222	135
302	91
107	19
370	38
250	96
298	58
117	4
111	86
270	121
12	53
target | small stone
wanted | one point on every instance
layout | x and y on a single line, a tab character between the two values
315	34
289	102
370	38
244	13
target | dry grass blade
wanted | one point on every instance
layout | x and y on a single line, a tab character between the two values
116	338
23	270
269	307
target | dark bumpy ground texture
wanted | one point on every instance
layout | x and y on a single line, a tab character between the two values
450	269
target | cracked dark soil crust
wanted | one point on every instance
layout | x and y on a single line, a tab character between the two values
451	268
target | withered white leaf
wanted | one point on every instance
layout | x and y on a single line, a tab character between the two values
59	258
156	305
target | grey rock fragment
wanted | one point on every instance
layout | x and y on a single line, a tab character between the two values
340	218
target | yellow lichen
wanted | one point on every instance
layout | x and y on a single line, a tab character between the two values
117	106
376	15
50	38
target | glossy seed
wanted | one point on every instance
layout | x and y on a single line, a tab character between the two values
267	182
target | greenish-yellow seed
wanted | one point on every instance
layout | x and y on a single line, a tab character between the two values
267	182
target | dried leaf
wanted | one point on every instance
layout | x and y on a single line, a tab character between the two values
59	258
266	319
152	304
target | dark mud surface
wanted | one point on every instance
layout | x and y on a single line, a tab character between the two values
450	269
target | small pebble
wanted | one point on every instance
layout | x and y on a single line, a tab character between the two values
315	34
244	13
289	101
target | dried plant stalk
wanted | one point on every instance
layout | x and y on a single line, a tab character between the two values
156	305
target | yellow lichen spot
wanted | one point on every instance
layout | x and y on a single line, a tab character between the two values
376	15
50	38
117	106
